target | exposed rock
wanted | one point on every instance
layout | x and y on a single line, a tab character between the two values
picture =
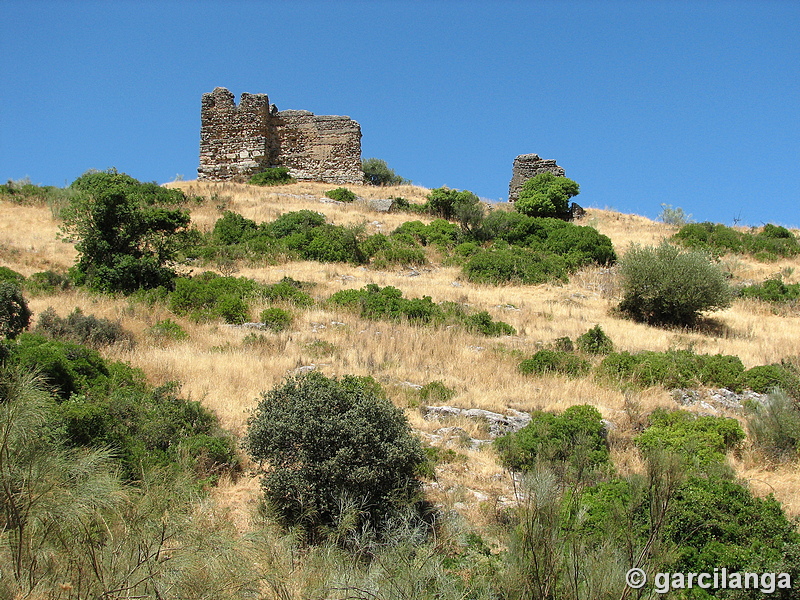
498	424
716	400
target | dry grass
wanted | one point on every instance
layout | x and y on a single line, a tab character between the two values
227	374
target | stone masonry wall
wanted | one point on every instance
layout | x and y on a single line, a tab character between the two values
527	166
238	141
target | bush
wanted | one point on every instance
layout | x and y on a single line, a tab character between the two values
211	296
546	195
289	290
47	282
574	440
340	454
481	322
595	341
774	426
276	319
15	316
126	237
233	228
168	330
500	265
377	172
10	275
272	176
772	290
768	244
673	216
341	195
764	378
436	391
668	287
555	361
374	302
82	329
673	369
702	438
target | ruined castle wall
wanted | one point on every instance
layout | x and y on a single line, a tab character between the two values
237	141
527	166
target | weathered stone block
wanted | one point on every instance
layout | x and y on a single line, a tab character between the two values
527	166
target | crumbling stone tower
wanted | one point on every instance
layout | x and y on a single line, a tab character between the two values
238	141
527	166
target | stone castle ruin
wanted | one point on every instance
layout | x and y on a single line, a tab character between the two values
527	166
238	141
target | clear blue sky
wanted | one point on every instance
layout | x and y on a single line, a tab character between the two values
694	104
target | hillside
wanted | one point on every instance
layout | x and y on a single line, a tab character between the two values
226	367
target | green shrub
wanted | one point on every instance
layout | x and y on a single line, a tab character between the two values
374	302
574	440
276	319
211	296
377	172
555	361
289	290
126	237
10	275
436	392
563	344
772	290
209	455
774	426
500	265
595	341
705	439
768	244
673	216
15	316
764	378
672	369
664	285
233	228
47	282
272	176
397	253
82	329
546	195
339	453
300	221
332	243
481	322
168	330
341	195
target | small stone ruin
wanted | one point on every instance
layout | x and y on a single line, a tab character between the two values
527	166
238	141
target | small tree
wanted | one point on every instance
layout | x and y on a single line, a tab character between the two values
15	316
546	195
340	454
664	285
126	237
377	172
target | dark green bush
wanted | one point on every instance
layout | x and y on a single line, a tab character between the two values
341	195
574	440
125	235
10	275
339	452
377	172
397	253
555	361
772	290
211	296
673	369
289	290
546	195
595	341
272	176
664	285
500	265
374	302
301	221
276	319
47	282
167	330
15	316
233	228
768	244
704	439
82	329
209	455
436	392
764	378
481	322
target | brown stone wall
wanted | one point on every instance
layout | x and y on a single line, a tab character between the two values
527	166
237	141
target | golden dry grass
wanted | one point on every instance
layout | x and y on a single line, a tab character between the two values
216	366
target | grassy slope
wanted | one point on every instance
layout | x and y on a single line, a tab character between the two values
480	369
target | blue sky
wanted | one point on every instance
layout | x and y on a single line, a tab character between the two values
693	104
